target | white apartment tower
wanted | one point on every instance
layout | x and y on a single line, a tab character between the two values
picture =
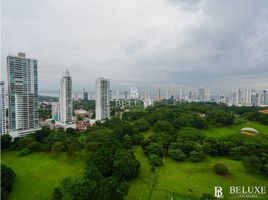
65	100
158	94
2	108
102	99
22	94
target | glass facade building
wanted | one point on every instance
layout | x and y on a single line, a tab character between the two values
22	94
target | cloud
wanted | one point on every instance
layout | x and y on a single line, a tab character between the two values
141	43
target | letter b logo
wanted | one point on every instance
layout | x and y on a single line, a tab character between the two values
218	192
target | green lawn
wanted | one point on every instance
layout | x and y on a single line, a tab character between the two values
225	131
188	180
235	129
38	174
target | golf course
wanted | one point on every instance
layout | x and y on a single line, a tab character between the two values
38	174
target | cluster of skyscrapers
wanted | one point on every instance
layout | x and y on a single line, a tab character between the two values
23	101
62	111
239	97
246	97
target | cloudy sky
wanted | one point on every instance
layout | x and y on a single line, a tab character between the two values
142	43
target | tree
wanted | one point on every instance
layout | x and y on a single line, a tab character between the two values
7	181
155	160
127	141
220	169
196	156
237	153
137	138
41	134
73	144
164	126
34	146
71	131
5	141
177	154
142	125
22	142
125	165
220	117
58	147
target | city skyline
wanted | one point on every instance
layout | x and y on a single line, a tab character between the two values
175	43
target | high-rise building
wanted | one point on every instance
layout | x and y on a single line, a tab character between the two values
264	98
158	94
55	111
23	95
65	100
85	95
102	99
116	96
207	95
233	98
201	94
146	95
125	94
2	109
111	95
247	97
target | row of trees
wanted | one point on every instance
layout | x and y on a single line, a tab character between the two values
179	116
190	143
44	140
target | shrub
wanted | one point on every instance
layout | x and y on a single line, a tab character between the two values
58	147
253	164
34	146
177	154
155	160
197	156
24	152
221	169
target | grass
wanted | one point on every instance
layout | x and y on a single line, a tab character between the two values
38	174
225	131
234	129
188	180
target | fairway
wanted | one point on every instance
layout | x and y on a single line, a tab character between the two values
225	131
39	173
188	180
234	129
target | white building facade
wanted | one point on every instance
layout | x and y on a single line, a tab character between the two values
102	99
2	109
22	95
65	99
